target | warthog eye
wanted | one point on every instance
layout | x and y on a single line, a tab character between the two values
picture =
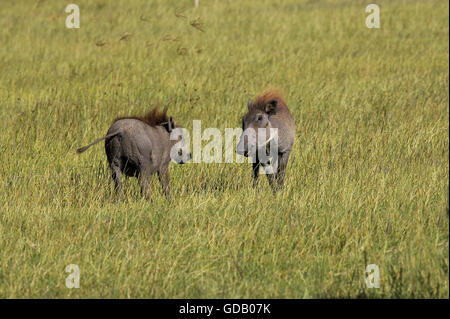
180	152
259	118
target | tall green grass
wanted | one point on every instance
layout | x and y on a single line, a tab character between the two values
367	181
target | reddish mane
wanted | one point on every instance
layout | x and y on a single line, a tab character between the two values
267	96
152	118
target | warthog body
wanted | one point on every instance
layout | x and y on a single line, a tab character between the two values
268	113
141	146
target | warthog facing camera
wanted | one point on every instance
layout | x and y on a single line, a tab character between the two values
268	136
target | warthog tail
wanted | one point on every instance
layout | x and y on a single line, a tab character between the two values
82	149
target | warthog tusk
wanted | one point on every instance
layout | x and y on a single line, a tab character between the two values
272	136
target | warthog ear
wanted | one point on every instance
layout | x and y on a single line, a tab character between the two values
170	124
249	104
271	107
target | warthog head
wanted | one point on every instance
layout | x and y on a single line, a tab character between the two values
258	132
180	151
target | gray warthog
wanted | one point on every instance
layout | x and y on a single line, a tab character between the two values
141	146
268	124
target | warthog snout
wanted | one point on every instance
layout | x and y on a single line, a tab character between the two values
255	141
242	146
183	156
180	152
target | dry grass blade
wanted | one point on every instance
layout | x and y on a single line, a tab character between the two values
197	24
179	14
171	38
142	18
182	51
100	43
125	36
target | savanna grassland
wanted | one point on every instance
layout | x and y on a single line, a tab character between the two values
366	184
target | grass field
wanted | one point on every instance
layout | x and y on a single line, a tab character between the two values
367	181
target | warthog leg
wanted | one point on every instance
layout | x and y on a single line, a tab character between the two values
283	161
143	178
163	175
276	180
255	167
272	182
116	176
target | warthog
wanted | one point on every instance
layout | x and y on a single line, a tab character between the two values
141	146
268	114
